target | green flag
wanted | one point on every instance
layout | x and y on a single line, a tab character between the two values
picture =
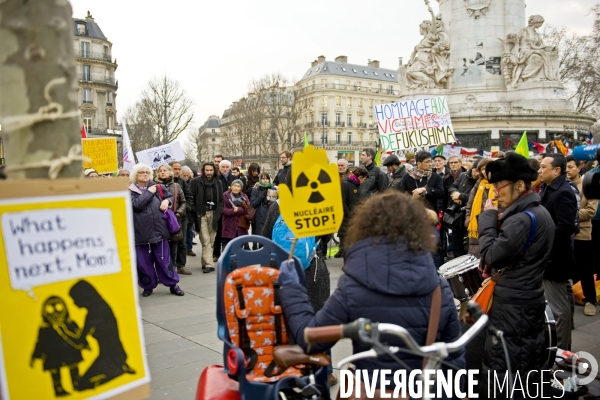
523	146
305	139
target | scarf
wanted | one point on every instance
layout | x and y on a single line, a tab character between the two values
237	199
267	186
354	179
477	206
456	174
287	164
419	174
205	183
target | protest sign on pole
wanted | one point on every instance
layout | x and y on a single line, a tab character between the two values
161	155
128	160
102	153
70	318
413	125
313	206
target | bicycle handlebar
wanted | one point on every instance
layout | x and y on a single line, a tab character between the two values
363	330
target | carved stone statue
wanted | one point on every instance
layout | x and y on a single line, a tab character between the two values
526	58
429	64
477	8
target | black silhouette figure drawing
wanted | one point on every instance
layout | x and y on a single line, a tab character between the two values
59	344
60	340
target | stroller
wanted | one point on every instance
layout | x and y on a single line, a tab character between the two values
289	372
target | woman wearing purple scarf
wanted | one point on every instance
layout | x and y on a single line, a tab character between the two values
350	197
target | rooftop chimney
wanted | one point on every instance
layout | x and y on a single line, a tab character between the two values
373	64
313	63
400	61
341	59
321	59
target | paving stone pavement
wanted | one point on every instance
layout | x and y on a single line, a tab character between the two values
181	332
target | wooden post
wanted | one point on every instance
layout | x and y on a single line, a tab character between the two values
38	89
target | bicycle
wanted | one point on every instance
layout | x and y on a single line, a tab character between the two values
367	332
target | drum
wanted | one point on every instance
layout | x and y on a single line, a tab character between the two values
463	276
550	335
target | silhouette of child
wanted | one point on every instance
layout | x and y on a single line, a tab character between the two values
59	343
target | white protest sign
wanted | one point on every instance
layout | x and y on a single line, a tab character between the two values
161	155
46	246
414	125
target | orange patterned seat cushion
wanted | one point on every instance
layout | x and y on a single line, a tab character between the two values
259	313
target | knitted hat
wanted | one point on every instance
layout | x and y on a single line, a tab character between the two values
238	182
409	155
514	167
89	171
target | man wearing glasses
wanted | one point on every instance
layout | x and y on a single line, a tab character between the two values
286	160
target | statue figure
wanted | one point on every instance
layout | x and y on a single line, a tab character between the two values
526	58
429	64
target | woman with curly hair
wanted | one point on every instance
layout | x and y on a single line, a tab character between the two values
389	276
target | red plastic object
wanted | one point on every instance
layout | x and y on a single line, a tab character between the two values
215	384
232	364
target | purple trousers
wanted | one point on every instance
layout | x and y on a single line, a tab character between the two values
154	265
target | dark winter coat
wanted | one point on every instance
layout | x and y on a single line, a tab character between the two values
463	186
518	307
447	181
197	189
376	182
435	189
385	282
282	175
396	178
272	216
180	200
349	199
226	182
148	222
189	198
230	219
558	198
258	200
249	185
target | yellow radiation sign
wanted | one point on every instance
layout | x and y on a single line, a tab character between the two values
313	206
70	323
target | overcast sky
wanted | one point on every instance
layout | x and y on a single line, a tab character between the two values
216	48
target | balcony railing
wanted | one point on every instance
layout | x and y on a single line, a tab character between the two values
339	123
354	88
94	55
87	101
99	79
349	124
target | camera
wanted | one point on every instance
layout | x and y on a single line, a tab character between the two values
591	182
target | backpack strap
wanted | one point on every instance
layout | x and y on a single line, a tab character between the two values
434	318
531	230
162	195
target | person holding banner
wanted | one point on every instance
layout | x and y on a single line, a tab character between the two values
151	233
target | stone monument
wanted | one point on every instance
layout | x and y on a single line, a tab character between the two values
498	75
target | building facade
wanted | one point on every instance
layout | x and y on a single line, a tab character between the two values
340	100
209	139
96	74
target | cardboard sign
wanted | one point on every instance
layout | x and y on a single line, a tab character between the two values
164	154
102	153
414	125
70	322
313	207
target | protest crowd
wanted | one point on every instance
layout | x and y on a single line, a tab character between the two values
523	222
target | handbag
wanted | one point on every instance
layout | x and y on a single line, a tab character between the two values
250	213
453	218
243	222
485	295
173	223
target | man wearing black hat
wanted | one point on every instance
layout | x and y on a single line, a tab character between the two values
559	199
396	170
439	162
514	249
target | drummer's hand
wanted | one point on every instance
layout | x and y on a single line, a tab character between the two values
468	319
417	192
489	205
485	275
455	196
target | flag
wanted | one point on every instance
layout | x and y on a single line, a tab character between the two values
590	139
128	159
538	146
523	146
83	132
378	158
465	151
305	139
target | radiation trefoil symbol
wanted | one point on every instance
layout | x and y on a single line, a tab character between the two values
313	204
303	181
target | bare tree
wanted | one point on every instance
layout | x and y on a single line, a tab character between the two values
142	133
579	69
167	91
193	149
38	89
